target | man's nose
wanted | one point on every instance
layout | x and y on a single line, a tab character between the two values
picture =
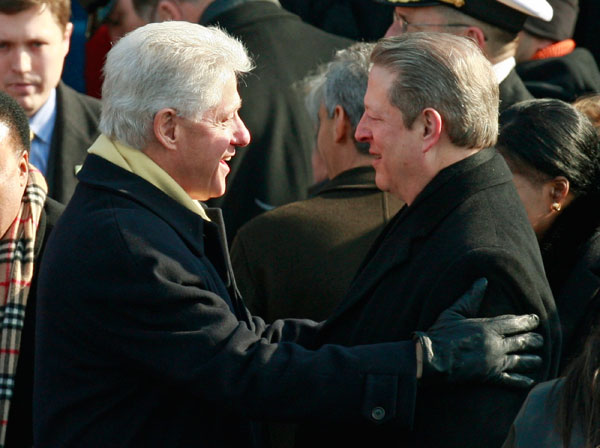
21	60
362	133
241	135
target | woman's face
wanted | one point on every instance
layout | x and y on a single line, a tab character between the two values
539	199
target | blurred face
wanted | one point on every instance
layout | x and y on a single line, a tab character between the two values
206	146
122	20
407	19
13	179
537	199
395	148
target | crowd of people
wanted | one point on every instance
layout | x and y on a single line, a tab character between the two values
410	190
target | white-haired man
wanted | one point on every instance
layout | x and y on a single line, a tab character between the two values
275	169
142	338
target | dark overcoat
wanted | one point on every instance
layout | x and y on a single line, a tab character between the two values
467	223
565	78
571	254
275	168
143	341
298	260
513	90
75	130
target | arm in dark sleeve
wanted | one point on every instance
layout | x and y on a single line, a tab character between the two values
157	312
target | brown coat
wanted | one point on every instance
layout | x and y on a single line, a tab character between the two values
298	260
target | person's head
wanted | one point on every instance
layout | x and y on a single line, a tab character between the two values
334	99
492	24
170	90
121	18
162	10
14	153
34	41
538	34
553	152
589	105
431	100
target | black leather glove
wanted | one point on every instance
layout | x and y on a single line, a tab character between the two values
459	349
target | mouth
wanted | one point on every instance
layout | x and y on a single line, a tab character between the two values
228	157
21	87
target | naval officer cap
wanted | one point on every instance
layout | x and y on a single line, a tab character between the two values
509	15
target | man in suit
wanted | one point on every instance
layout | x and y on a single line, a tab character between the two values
298	260
549	61
430	128
35	38
142	339
493	24
26	219
275	168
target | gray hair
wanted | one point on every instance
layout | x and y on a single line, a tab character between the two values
447	73
343	82
179	65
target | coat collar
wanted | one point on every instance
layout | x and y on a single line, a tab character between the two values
359	178
203	237
100	173
448	190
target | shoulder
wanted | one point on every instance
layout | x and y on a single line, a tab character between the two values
78	103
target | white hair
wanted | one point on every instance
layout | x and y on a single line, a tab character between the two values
176	65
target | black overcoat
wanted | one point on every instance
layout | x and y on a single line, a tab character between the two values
275	168
467	223
143	341
513	90
565	78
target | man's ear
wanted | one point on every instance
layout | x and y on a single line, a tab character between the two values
341	124
23	168
168	10
165	128
432	123
477	35
67	38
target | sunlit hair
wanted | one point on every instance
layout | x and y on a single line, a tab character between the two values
14	118
176	65
342	82
60	9
447	73
590	106
579	405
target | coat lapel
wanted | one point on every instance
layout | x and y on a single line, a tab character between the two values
73	134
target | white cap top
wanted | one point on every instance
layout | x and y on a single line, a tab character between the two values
539	9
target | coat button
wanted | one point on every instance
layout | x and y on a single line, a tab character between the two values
378	413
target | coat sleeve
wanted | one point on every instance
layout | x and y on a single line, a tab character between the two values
513	288
159	312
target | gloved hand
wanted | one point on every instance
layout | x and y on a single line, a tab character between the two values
459	349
